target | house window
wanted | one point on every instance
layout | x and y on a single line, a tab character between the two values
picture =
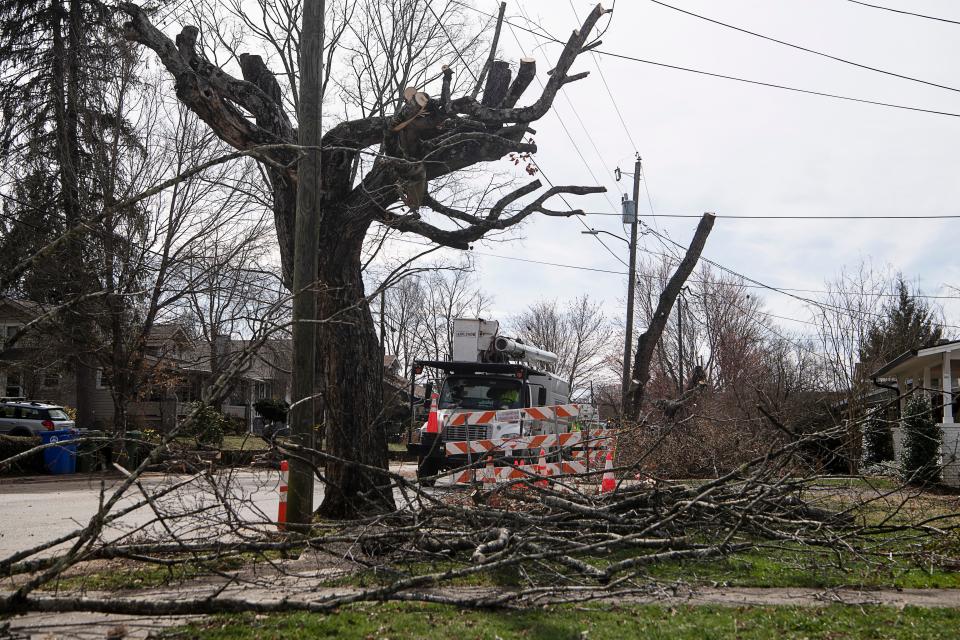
14	386
103	379
10	330
51	380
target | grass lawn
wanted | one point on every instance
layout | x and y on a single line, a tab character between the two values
596	622
244	443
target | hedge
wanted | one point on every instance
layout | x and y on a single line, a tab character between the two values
12	445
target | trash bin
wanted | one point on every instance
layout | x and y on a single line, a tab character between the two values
90	454
133	449
61	459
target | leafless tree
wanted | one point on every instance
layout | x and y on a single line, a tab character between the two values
398	141
578	332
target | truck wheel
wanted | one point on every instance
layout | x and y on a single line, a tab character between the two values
427	467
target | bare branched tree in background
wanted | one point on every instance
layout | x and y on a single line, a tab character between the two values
578	332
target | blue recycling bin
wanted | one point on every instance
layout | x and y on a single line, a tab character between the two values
61	459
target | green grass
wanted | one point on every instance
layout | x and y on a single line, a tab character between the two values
137	576
596	622
244	443
788	568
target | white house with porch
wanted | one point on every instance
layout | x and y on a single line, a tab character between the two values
936	370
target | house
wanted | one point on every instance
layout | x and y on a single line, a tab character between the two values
179	367
934	369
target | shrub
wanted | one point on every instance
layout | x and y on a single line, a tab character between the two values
921	442
877	440
12	445
272	410
208	426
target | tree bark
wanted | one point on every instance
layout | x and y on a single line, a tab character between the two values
648	340
498	83
352	367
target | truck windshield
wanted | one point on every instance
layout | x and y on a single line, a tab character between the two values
474	392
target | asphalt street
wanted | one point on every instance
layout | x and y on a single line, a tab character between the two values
35	510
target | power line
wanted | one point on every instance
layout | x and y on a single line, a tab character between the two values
760	83
747	285
908	13
806	49
793	217
586	164
823	306
450	40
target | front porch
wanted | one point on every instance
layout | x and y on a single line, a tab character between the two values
933	370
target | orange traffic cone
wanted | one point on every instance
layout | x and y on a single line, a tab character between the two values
490	476
282	508
542	470
433	421
609	482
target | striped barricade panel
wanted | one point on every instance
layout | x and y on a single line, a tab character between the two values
590	439
508	415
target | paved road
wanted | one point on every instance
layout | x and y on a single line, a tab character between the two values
36	510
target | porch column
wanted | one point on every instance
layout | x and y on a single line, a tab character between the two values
927	382
951	432
947	390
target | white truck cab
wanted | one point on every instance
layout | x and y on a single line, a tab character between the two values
488	372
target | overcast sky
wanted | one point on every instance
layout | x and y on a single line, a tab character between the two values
711	144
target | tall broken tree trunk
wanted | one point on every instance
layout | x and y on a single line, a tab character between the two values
648	340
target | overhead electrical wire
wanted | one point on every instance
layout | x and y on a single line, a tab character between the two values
823	306
771	85
691	280
586	164
806	49
908	13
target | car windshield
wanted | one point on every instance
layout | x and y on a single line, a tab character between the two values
58	415
462	392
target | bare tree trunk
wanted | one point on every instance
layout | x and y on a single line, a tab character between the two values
352	366
646	345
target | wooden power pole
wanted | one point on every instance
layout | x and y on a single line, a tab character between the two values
631	213
306	237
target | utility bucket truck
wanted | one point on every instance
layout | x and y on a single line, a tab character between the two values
492	378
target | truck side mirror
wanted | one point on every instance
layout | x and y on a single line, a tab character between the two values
541	397
427	392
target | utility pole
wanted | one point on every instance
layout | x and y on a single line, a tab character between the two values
306	238
680	301
630	215
383	340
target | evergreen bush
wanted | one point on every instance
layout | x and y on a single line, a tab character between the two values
877	440
209	425
922	437
272	410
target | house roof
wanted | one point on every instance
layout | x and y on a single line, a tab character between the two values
915	359
162	333
24	306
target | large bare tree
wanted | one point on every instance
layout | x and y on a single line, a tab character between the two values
371	164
